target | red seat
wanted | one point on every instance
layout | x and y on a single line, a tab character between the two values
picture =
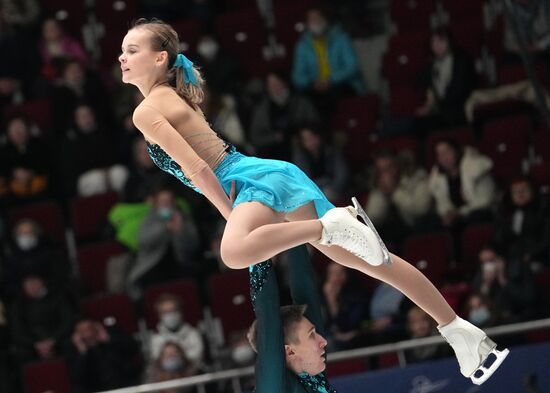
230	300
412	15
110	309
47	376
541	143
387	360
72	14
92	262
459	11
114	13
463	136
185	289
189	31
346	367
290	22
47	214
36	110
397	144
468	35
402	65
89	214
541	176
474	237
405	100
430	253
506	142
487	112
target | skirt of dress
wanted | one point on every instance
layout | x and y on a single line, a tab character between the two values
278	184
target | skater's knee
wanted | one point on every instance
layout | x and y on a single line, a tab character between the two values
231	255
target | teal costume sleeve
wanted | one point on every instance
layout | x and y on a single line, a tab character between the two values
272	376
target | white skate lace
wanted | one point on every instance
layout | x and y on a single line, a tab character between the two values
352	240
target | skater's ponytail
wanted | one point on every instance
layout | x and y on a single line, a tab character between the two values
181	73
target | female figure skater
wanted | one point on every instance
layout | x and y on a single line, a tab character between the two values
270	206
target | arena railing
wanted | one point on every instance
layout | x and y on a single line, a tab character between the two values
234	375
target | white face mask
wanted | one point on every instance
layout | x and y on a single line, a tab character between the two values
208	49
317	28
281	98
172	320
243	354
26	242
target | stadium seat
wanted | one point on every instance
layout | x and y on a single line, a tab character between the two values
541	143
505	141
114	13
47	214
397	144
290	22
346	367
46	376
412	15
474	237
464	136
185	289
463	10
189	31
111	309
540	174
230	300
430	253
92	261
468	36
388	360
36	110
404	100
403	64
89	214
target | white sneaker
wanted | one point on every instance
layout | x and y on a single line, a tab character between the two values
472	348
341	228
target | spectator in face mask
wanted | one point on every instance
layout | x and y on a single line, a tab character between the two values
325	63
31	254
41	321
167	242
420	325
171	363
480	311
508	284
173	328
279	113
101	358
221	69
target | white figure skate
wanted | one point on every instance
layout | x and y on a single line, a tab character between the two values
472	348
341	228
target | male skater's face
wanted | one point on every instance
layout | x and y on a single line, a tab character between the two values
307	351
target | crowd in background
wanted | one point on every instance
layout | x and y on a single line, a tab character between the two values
441	180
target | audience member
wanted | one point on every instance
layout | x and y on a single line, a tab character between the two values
387	314
346	308
172	328
448	81
101	358
221	112
25	162
278	115
325	63
481	311
322	162
20	14
461	184
32	254
400	198
89	162
167	242
522	224
220	68
56	46
421	325
509	284
41	321
171	363
144	176
11	89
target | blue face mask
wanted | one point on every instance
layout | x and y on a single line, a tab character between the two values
480	316
172	364
165	213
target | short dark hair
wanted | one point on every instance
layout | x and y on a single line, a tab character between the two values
290	316
168	297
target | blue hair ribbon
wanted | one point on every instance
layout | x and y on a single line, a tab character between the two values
188	72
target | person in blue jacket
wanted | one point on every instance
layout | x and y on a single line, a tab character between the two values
324	58
288	340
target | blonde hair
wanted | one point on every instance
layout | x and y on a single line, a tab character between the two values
165	38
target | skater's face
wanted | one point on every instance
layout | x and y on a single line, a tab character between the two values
308	350
138	62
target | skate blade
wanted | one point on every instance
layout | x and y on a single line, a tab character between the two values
358	210
488	371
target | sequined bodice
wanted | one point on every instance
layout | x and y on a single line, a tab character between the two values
317	383
167	164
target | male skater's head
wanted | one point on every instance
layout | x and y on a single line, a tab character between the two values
304	347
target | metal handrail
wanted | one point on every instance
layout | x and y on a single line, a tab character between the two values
234	374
